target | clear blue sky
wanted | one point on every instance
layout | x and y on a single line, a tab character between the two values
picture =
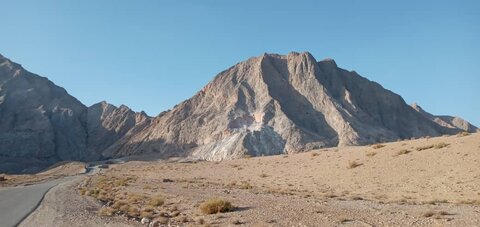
150	55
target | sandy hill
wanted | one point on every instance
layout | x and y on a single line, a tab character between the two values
422	182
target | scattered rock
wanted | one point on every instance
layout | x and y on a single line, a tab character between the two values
162	220
237	222
175	213
145	221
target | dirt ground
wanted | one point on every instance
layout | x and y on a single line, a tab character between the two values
424	182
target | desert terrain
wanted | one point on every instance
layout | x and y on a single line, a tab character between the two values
423	182
59	170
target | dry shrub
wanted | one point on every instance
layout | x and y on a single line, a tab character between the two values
146	214
134	198
133	212
118	204
435	201
214	206
463	133
437	214
403	151
377	146
353	164
428	214
263	175
82	191
245	185
357	198
345	220
163	221
124	208
315	154
444	213
441	145
424	147
371	154
93	192
157	201
106	211
471	202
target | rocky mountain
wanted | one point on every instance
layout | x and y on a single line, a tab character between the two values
40	123
447	121
266	105
275	104
107	123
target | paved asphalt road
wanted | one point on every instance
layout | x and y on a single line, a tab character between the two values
18	202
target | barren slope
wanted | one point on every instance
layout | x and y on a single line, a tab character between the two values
424	182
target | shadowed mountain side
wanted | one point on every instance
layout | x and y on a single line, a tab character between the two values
41	124
107	124
38	118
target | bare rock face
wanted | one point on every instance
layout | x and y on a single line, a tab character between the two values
271	104
40	123
37	117
107	123
275	104
447	121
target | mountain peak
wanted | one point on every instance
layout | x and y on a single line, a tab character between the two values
328	63
292	54
273	104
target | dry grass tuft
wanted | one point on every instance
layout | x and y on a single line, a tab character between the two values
118	204
471	202
214	206
428	214
82	191
462	134
106	211
263	175
345	220
377	146
436	214
245	185
371	154
313	154
146	214
435	201
403	151
156	201
353	164
441	145
133	212
444	213
424	147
